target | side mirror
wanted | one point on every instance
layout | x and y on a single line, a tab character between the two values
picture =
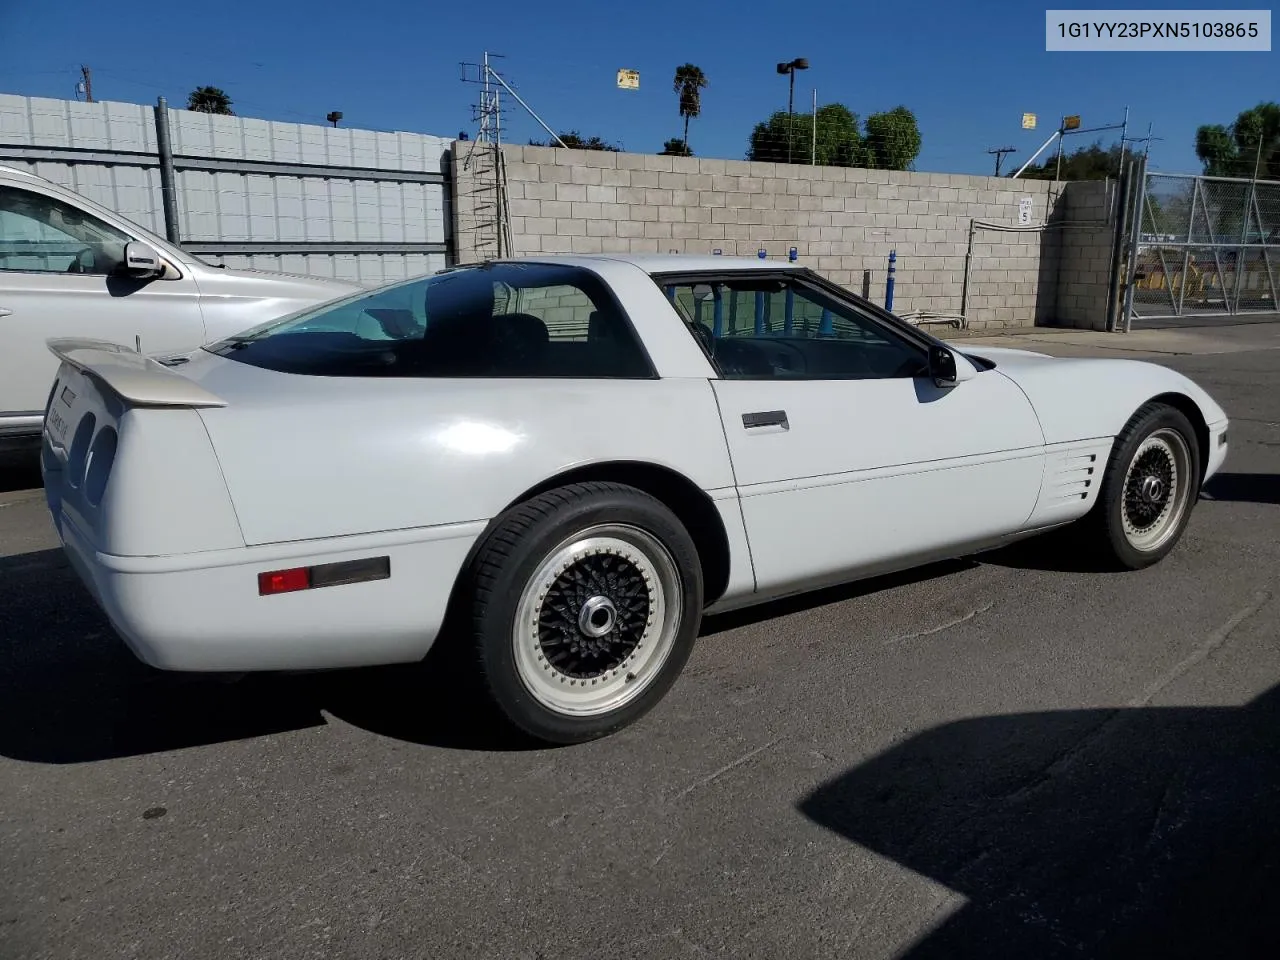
141	260
947	368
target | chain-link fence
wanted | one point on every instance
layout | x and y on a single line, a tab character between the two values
1207	246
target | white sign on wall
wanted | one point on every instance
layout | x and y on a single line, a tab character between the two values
1024	211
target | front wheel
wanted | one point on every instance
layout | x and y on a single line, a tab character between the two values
586	602
1149	488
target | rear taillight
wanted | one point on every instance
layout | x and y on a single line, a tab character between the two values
284	581
323	575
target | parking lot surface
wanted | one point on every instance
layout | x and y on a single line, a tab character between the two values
1006	756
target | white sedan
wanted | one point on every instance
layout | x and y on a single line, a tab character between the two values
563	462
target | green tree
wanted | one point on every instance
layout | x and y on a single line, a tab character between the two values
1093	162
891	142
892	139
209	100
1251	142
688	84
675	147
576	141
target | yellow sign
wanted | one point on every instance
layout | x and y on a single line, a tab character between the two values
628	79
1071	123
1028	121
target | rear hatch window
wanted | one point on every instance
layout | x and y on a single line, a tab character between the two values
498	320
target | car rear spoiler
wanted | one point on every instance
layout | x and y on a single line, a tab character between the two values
136	379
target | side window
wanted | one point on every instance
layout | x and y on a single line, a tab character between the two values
765	328
393	313
502	320
40	234
566	310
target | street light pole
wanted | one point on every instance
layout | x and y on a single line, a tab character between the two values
791	114
790	68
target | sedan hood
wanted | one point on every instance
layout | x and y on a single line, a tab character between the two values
1002	355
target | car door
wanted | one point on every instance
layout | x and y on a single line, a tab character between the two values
59	278
847	456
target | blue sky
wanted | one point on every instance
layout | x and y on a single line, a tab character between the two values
968	73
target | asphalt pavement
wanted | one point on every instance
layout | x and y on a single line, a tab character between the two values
1006	756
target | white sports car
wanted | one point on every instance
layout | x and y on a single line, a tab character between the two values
565	461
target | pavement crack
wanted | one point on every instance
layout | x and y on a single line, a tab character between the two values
712	778
1202	652
666	847
1154	834
938	629
1067	757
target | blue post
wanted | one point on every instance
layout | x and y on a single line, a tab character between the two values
789	322
761	253
733	311
793	254
759	312
671	294
826	326
717	315
888	285
717	252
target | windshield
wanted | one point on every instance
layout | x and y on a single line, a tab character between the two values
498	320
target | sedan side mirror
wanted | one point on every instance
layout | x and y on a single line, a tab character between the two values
948	368
141	260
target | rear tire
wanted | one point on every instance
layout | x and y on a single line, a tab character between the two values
585	603
1150	486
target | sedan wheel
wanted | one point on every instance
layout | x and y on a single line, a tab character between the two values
1149	488
592	629
585	604
1157	487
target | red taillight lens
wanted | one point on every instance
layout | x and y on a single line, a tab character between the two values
284	581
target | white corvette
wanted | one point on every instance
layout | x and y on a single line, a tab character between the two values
565	461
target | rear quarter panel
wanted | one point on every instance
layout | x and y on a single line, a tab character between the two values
308	457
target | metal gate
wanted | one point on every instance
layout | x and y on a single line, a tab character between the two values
1205	247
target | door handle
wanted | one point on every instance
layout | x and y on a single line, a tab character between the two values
766	418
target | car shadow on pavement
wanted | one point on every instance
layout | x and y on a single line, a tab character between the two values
1147	832
1059	551
1244	487
71	692
732	620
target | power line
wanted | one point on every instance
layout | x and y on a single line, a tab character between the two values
1000	152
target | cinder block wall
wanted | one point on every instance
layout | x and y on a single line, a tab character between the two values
1084	270
842	221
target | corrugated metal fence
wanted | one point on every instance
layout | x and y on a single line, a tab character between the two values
323	201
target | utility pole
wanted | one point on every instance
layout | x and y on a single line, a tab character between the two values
813	151
1000	152
1124	136
87	83
1061	130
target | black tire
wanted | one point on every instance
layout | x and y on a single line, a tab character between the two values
643	544
1115	528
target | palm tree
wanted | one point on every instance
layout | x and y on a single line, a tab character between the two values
209	100
688	84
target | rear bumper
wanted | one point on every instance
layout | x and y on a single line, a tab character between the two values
202	611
